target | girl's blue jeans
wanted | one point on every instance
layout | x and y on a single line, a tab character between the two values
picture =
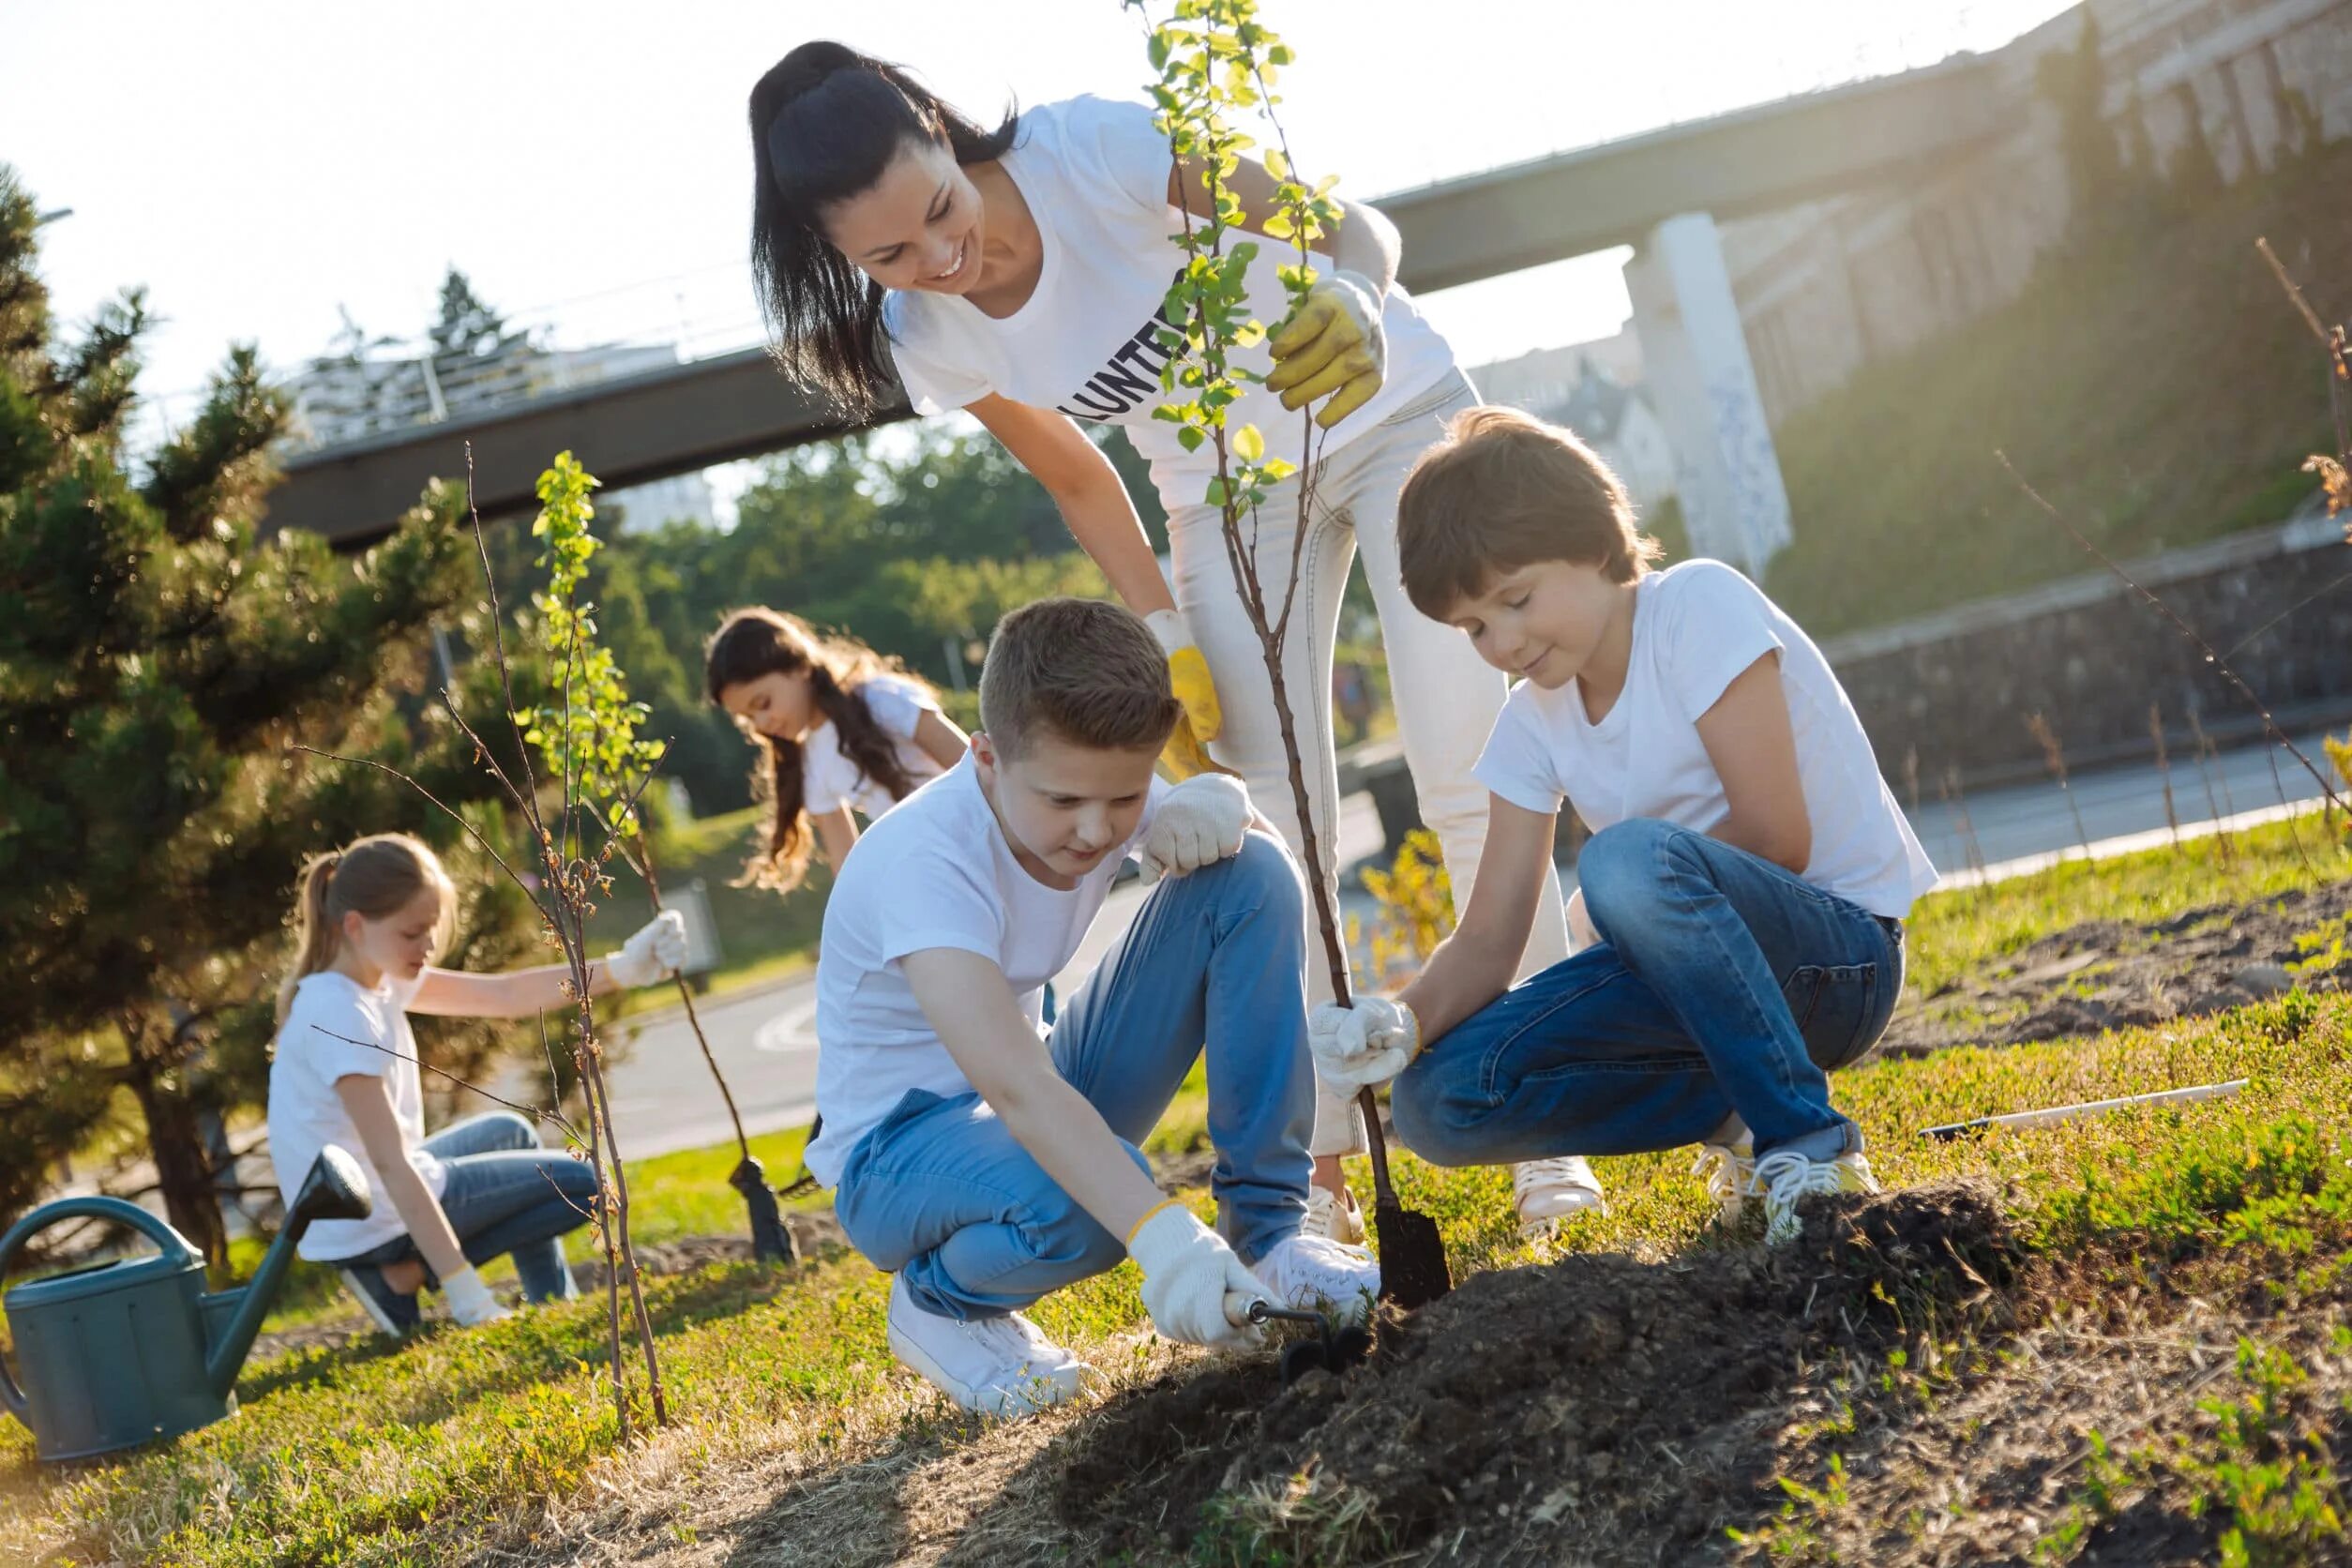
506	1196
1722	984
942	1192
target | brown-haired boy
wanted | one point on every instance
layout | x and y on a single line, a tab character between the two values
1746	880
985	1161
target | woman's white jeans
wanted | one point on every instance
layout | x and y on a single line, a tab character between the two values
1446	696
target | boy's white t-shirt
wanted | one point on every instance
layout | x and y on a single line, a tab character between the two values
315	1047
936	872
831	777
1095	173
1696	625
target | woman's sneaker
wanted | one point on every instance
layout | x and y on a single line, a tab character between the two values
1730	1171
1550	1193
1788	1176
1316	1272
1000	1367
392	1312
1327	1218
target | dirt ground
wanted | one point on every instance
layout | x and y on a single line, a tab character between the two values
1599	1411
2112	974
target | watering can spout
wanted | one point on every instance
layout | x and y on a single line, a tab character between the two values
336	1188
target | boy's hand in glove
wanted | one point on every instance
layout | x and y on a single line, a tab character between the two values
1187	1273
1202	821
656	951
1356	1048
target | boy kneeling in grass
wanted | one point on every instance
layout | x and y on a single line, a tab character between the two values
1747	878
985	1161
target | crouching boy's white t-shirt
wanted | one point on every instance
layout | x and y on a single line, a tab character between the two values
830	776
339	1029
1696	625
937	871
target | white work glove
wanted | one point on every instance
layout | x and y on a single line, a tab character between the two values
655	953
1332	344
1369	1043
469	1300
1199	823
1580	932
1187	1273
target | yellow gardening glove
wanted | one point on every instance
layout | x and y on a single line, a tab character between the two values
1332	344
1188	750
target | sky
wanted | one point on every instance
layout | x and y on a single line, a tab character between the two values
263	167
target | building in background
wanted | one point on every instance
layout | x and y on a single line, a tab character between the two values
1826	288
370	389
1595	390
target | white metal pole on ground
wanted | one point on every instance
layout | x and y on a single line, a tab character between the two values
2056	1114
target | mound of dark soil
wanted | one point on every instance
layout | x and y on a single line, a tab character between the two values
1501	1410
2114	974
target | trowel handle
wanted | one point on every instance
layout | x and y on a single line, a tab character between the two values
1247	1312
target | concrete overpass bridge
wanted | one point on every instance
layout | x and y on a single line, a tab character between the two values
1660	191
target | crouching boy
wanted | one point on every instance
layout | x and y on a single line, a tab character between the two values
1746	881
985	1161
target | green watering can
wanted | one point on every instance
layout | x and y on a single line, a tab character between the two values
125	1352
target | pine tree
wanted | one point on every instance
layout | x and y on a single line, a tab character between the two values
157	656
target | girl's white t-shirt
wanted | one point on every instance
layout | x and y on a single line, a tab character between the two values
1095	173
337	1028
831	777
1696	625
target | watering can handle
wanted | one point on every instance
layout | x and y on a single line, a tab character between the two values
170	1242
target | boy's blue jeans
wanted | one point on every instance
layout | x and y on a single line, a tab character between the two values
942	1193
1722	983
507	1195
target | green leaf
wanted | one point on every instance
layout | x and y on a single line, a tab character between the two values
1190	438
1248	444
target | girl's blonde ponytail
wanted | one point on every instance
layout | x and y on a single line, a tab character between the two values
314	933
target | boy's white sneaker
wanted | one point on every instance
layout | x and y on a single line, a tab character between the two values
1730	1171
1788	1176
1550	1193
1000	1367
1315	1272
1327	1218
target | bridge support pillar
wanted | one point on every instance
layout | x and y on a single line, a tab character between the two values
1695	358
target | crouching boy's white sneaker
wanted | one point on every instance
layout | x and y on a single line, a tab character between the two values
1788	1176
1000	1367
1318	1273
1550	1193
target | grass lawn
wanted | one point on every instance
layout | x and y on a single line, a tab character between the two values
465	1446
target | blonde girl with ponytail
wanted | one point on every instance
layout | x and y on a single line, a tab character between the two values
369	919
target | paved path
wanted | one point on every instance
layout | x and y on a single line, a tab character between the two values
765	1039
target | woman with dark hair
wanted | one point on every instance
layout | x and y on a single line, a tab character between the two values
1019	273
837	728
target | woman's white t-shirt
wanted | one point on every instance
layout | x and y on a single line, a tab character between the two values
831	777
337	1028
1095	173
1696	625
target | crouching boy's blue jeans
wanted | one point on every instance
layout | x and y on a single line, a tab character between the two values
944	1194
1722	983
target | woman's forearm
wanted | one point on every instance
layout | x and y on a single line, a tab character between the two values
1103	520
1459	979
